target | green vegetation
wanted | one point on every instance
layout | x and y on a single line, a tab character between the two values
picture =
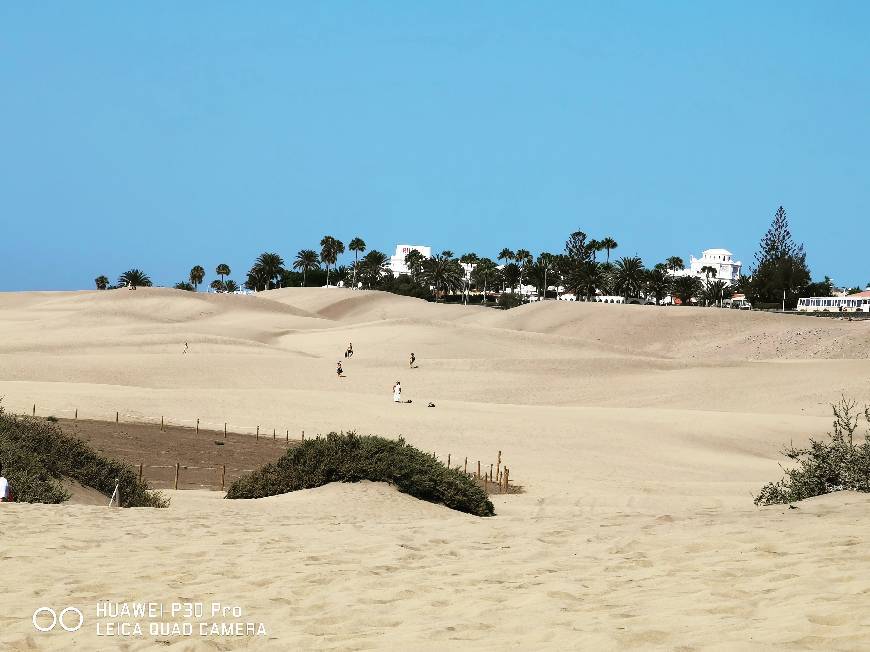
826	466
134	278
351	458
35	454
781	273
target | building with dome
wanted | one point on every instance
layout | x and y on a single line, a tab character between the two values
721	260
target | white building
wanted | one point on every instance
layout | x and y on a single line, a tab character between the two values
721	260
397	262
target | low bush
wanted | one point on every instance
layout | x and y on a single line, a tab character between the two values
35	454
826	466
351	458
509	300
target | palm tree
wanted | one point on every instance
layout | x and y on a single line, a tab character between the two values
357	246
584	278
330	249
658	283
222	270
443	273
307	260
184	285
609	244
134	278
594	247
483	271
708	271
507	256
375	264
267	269
714	292
197	273
102	282
510	275
218	286
547	263
685	288
231	285
414	262
675	263
628	276
523	258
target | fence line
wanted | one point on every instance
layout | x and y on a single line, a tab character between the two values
496	478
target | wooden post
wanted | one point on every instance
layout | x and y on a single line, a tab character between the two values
223	474
34	409
506	476
140	473
162	427
176	475
225	429
258	432
273	434
465	468
490	472
77	415
448	460
116	416
197	426
498	465
288	435
478	469
303	435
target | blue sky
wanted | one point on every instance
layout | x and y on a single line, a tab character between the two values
161	135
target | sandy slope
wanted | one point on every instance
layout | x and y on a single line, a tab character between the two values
639	434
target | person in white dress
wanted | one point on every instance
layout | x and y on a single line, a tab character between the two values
397	392
5	494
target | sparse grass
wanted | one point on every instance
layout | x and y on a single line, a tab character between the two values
826	466
35	454
351	458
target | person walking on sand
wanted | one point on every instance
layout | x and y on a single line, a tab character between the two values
185	347
5	494
338	370
413	360
397	392
349	352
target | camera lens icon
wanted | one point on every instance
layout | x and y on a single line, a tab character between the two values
66	619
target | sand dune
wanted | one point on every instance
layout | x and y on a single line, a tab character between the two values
638	433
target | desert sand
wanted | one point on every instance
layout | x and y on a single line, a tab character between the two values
639	435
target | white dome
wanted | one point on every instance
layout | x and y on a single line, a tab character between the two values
716	252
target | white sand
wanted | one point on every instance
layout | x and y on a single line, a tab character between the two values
639	434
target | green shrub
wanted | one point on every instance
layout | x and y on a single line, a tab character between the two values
36	453
351	458
509	300
825	466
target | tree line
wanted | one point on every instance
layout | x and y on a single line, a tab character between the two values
584	268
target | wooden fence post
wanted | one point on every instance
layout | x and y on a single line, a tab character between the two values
303	435
197	426
34	409
288	435
176	475
498	465
465	468
225	429
448	460
490	472
478	469
77	415
273	434
162	427
116	416
223	475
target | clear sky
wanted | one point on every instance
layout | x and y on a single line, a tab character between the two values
161	135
